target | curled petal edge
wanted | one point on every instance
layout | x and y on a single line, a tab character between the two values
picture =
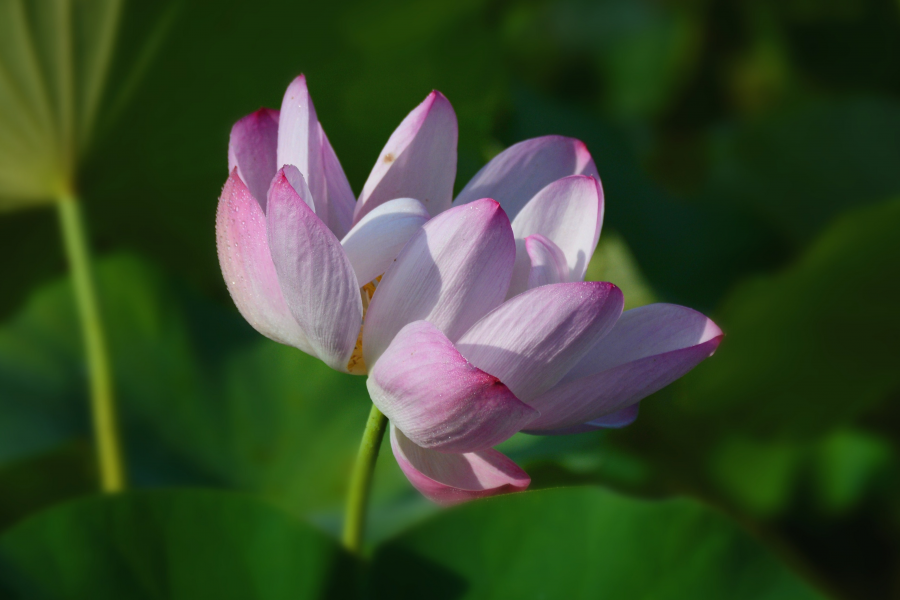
438	399
617	420
448	479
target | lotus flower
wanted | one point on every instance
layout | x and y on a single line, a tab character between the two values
470	316
557	358
294	246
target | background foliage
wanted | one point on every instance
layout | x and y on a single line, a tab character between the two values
749	152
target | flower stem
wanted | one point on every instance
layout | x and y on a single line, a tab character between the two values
361	481
109	455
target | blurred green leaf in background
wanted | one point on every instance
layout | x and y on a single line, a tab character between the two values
749	157
615	546
54	63
172	545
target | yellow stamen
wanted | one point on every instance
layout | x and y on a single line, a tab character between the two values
357	365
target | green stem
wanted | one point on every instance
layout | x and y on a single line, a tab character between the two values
361	481
109	455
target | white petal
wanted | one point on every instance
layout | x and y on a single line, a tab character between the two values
532	340
374	242
438	399
514	176
315	274
339	197
649	348
453	478
248	269
452	271
569	212
538	262
299	140
418	161
251	149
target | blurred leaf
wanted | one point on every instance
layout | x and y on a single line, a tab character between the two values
630	57
173	545
761	74
205	400
814	346
758	477
807	353
579	459
54	60
844	44
57	59
33	234
580	543
801	167
846	463
648	65
45	479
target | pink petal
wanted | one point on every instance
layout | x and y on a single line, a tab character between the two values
299	141
295	178
538	262
532	340
437	399
418	161
647	331
515	175
252	149
374	242
548	263
616	420
453	478
316	278
338	196
569	212
247	266
452	271
649	348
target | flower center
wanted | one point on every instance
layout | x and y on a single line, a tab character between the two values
357	365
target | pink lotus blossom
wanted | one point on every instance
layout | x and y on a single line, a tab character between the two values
470	316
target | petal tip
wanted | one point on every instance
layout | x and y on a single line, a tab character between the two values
608	287
613	290
228	188
264	112
714	341
490	206
297	85
581	152
582	176
437	105
437	96
280	177
712	331
448	479
289	183
225	196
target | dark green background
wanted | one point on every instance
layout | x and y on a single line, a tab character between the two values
750	157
